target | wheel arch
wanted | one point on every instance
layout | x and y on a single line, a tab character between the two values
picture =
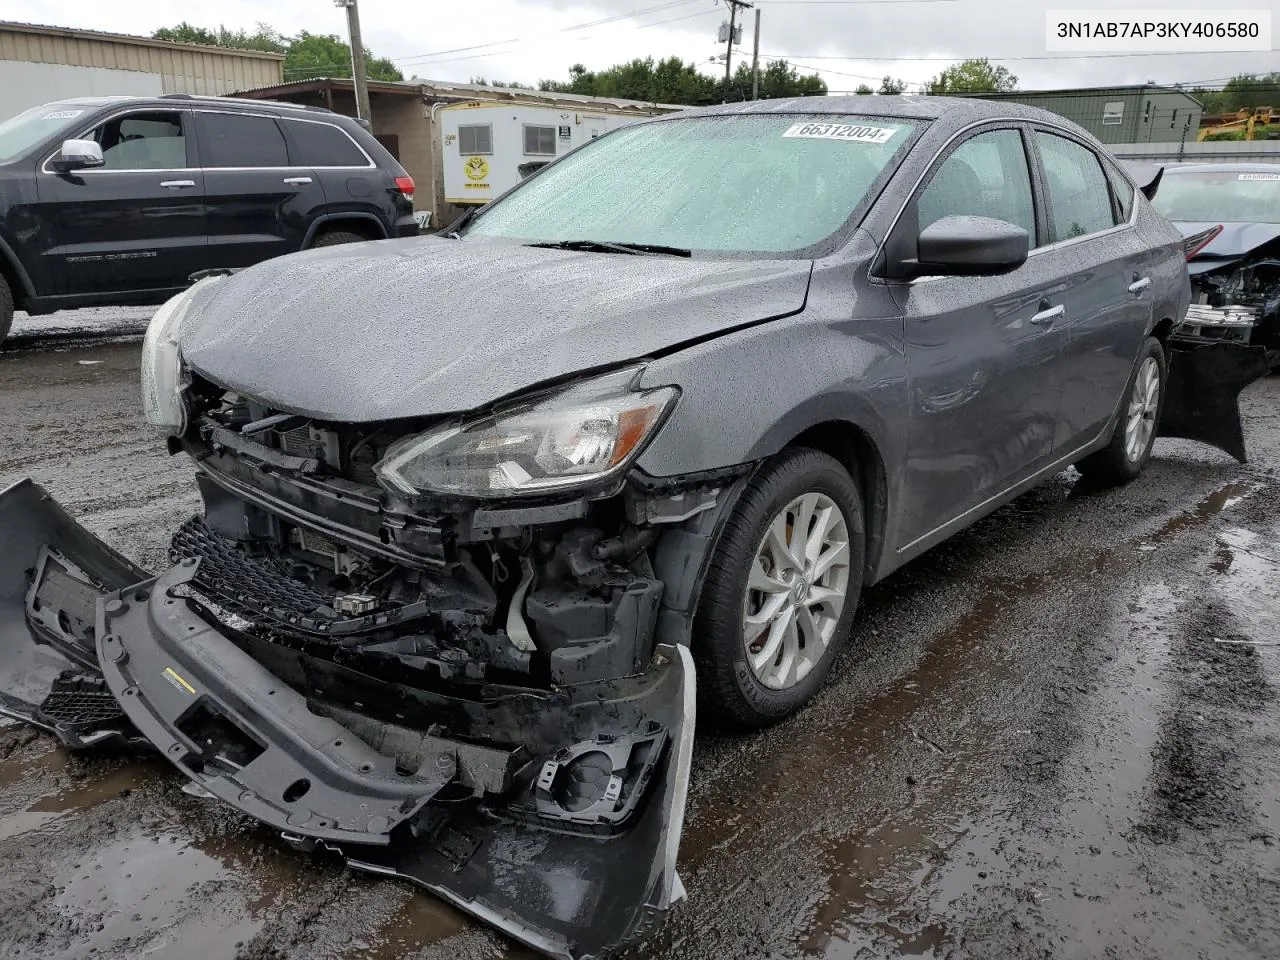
366	224
857	451
11	269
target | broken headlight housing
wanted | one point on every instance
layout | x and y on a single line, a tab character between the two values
581	435
163	376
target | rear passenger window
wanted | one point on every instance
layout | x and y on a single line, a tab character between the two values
986	176
322	145
233	140
1078	195
143	141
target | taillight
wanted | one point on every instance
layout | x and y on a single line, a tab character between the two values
1197	242
405	186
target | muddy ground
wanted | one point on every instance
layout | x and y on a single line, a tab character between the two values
1058	735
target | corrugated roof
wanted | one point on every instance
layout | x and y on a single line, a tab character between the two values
75	34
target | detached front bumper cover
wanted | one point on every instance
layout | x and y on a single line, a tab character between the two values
562	831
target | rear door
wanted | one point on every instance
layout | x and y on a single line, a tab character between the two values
1105	268
260	204
983	352
351	182
138	222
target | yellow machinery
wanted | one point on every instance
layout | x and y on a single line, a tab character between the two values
1246	119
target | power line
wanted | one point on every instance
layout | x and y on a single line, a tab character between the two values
1083	56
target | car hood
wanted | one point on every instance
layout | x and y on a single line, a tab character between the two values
425	326
1235	241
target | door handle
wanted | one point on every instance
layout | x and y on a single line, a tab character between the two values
297	181
1139	285
1046	317
177	184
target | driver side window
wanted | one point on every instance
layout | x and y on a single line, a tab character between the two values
986	176
154	140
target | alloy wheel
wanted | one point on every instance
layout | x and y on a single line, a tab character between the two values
796	590
1144	403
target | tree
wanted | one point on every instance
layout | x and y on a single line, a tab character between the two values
973	76
674	81
863	90
306	56
1244	90
891	87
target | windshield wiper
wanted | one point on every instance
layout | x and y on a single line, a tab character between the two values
608	246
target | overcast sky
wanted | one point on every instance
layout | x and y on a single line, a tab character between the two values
528	40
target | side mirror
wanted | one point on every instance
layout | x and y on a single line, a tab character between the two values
967	247
77	155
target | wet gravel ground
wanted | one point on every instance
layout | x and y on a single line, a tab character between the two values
1058	735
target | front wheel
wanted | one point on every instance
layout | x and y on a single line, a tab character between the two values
781	590
1130	448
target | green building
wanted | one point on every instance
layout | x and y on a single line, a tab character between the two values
1138	114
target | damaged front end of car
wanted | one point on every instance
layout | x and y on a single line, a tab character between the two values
414	643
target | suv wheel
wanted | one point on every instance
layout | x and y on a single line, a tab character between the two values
331	238
6	309
781	590
1130	448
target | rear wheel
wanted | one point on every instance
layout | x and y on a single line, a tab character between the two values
331	238
6	309
1130	448
781	590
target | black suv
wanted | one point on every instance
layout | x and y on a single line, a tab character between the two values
118	200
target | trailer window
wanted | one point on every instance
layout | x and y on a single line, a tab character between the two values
744	184
475	138
539	141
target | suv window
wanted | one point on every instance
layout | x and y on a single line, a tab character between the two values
1078	193
322	145
237	140
475	138
154	140
539	141
986	176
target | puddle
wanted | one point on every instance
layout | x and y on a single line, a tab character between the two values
422	921
152	897
1224	498
76	797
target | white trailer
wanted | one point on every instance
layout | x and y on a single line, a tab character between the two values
488	148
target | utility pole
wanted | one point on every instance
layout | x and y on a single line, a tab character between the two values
728	53
358	71
755	59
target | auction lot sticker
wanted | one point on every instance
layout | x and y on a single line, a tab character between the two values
849	132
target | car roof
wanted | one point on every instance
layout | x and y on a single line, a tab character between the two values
962	110
172	100
1226	167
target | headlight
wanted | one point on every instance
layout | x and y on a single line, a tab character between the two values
162	371
587	433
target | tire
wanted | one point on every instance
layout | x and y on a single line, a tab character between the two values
733	691
1121	461
331	238
6	310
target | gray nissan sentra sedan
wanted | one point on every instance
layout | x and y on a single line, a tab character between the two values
487	513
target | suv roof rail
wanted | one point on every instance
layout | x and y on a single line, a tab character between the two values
247	102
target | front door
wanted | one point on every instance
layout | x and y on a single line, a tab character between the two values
259	204
135	224
982	352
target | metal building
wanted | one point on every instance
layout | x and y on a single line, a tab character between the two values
39	64
1136	114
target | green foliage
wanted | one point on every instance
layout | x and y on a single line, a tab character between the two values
863	90
673	81
1244	90
973	76
306	56
482	82
891	87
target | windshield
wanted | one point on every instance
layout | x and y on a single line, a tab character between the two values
19	134
771	184
1220	195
